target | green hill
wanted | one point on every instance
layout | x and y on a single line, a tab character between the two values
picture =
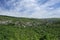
14	28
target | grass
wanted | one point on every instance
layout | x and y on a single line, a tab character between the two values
41	29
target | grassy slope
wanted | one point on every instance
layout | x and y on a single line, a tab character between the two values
47	29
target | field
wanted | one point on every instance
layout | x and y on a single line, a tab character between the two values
14	28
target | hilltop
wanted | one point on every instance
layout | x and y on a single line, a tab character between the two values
15	28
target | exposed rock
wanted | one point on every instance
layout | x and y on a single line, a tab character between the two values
6	22
19	23
29	24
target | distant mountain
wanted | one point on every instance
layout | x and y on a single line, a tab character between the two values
15	28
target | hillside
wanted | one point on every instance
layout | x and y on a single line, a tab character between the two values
14	28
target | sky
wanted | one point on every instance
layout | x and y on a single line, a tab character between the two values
30	8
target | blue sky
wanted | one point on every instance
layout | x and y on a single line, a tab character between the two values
30	8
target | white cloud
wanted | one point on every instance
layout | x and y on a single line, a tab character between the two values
31	9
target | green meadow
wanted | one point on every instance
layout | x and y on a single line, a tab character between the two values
15	28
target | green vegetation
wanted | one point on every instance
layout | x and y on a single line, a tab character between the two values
12	28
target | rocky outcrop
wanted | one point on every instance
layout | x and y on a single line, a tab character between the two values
6	22
19	23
